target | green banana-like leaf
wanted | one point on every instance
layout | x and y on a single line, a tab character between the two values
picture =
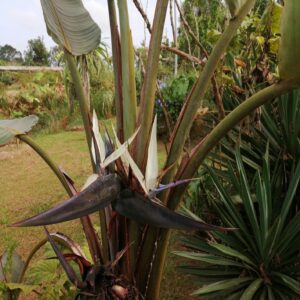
11	128
11	266
71	26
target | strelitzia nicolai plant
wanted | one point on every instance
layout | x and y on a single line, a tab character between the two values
146	245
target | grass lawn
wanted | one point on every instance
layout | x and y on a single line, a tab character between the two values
29	187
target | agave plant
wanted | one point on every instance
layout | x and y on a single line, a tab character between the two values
125	185
261	261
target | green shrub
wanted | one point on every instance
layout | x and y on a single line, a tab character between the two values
6	78
174	93
103	103
40	93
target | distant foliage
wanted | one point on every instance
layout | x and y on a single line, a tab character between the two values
10	54
37	53
42	94
205	18
174	93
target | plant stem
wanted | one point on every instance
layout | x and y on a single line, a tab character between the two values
145	117
129	114
82	102
194	100
117	65
88	132
128	74
158	266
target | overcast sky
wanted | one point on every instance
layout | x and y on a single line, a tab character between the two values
21	20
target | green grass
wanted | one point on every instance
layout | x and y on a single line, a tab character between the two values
29	187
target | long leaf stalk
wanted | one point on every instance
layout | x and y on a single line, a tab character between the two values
128	74
87	226
197	93
83	104
117	65
129	119
145	117
158	265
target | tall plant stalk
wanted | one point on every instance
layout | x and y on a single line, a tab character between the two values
117	65
128	73
83	104
194	100
145	117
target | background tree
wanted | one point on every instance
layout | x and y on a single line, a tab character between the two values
205	19
10	54
37	53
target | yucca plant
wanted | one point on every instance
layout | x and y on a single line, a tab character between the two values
279	129
128	261
261	260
